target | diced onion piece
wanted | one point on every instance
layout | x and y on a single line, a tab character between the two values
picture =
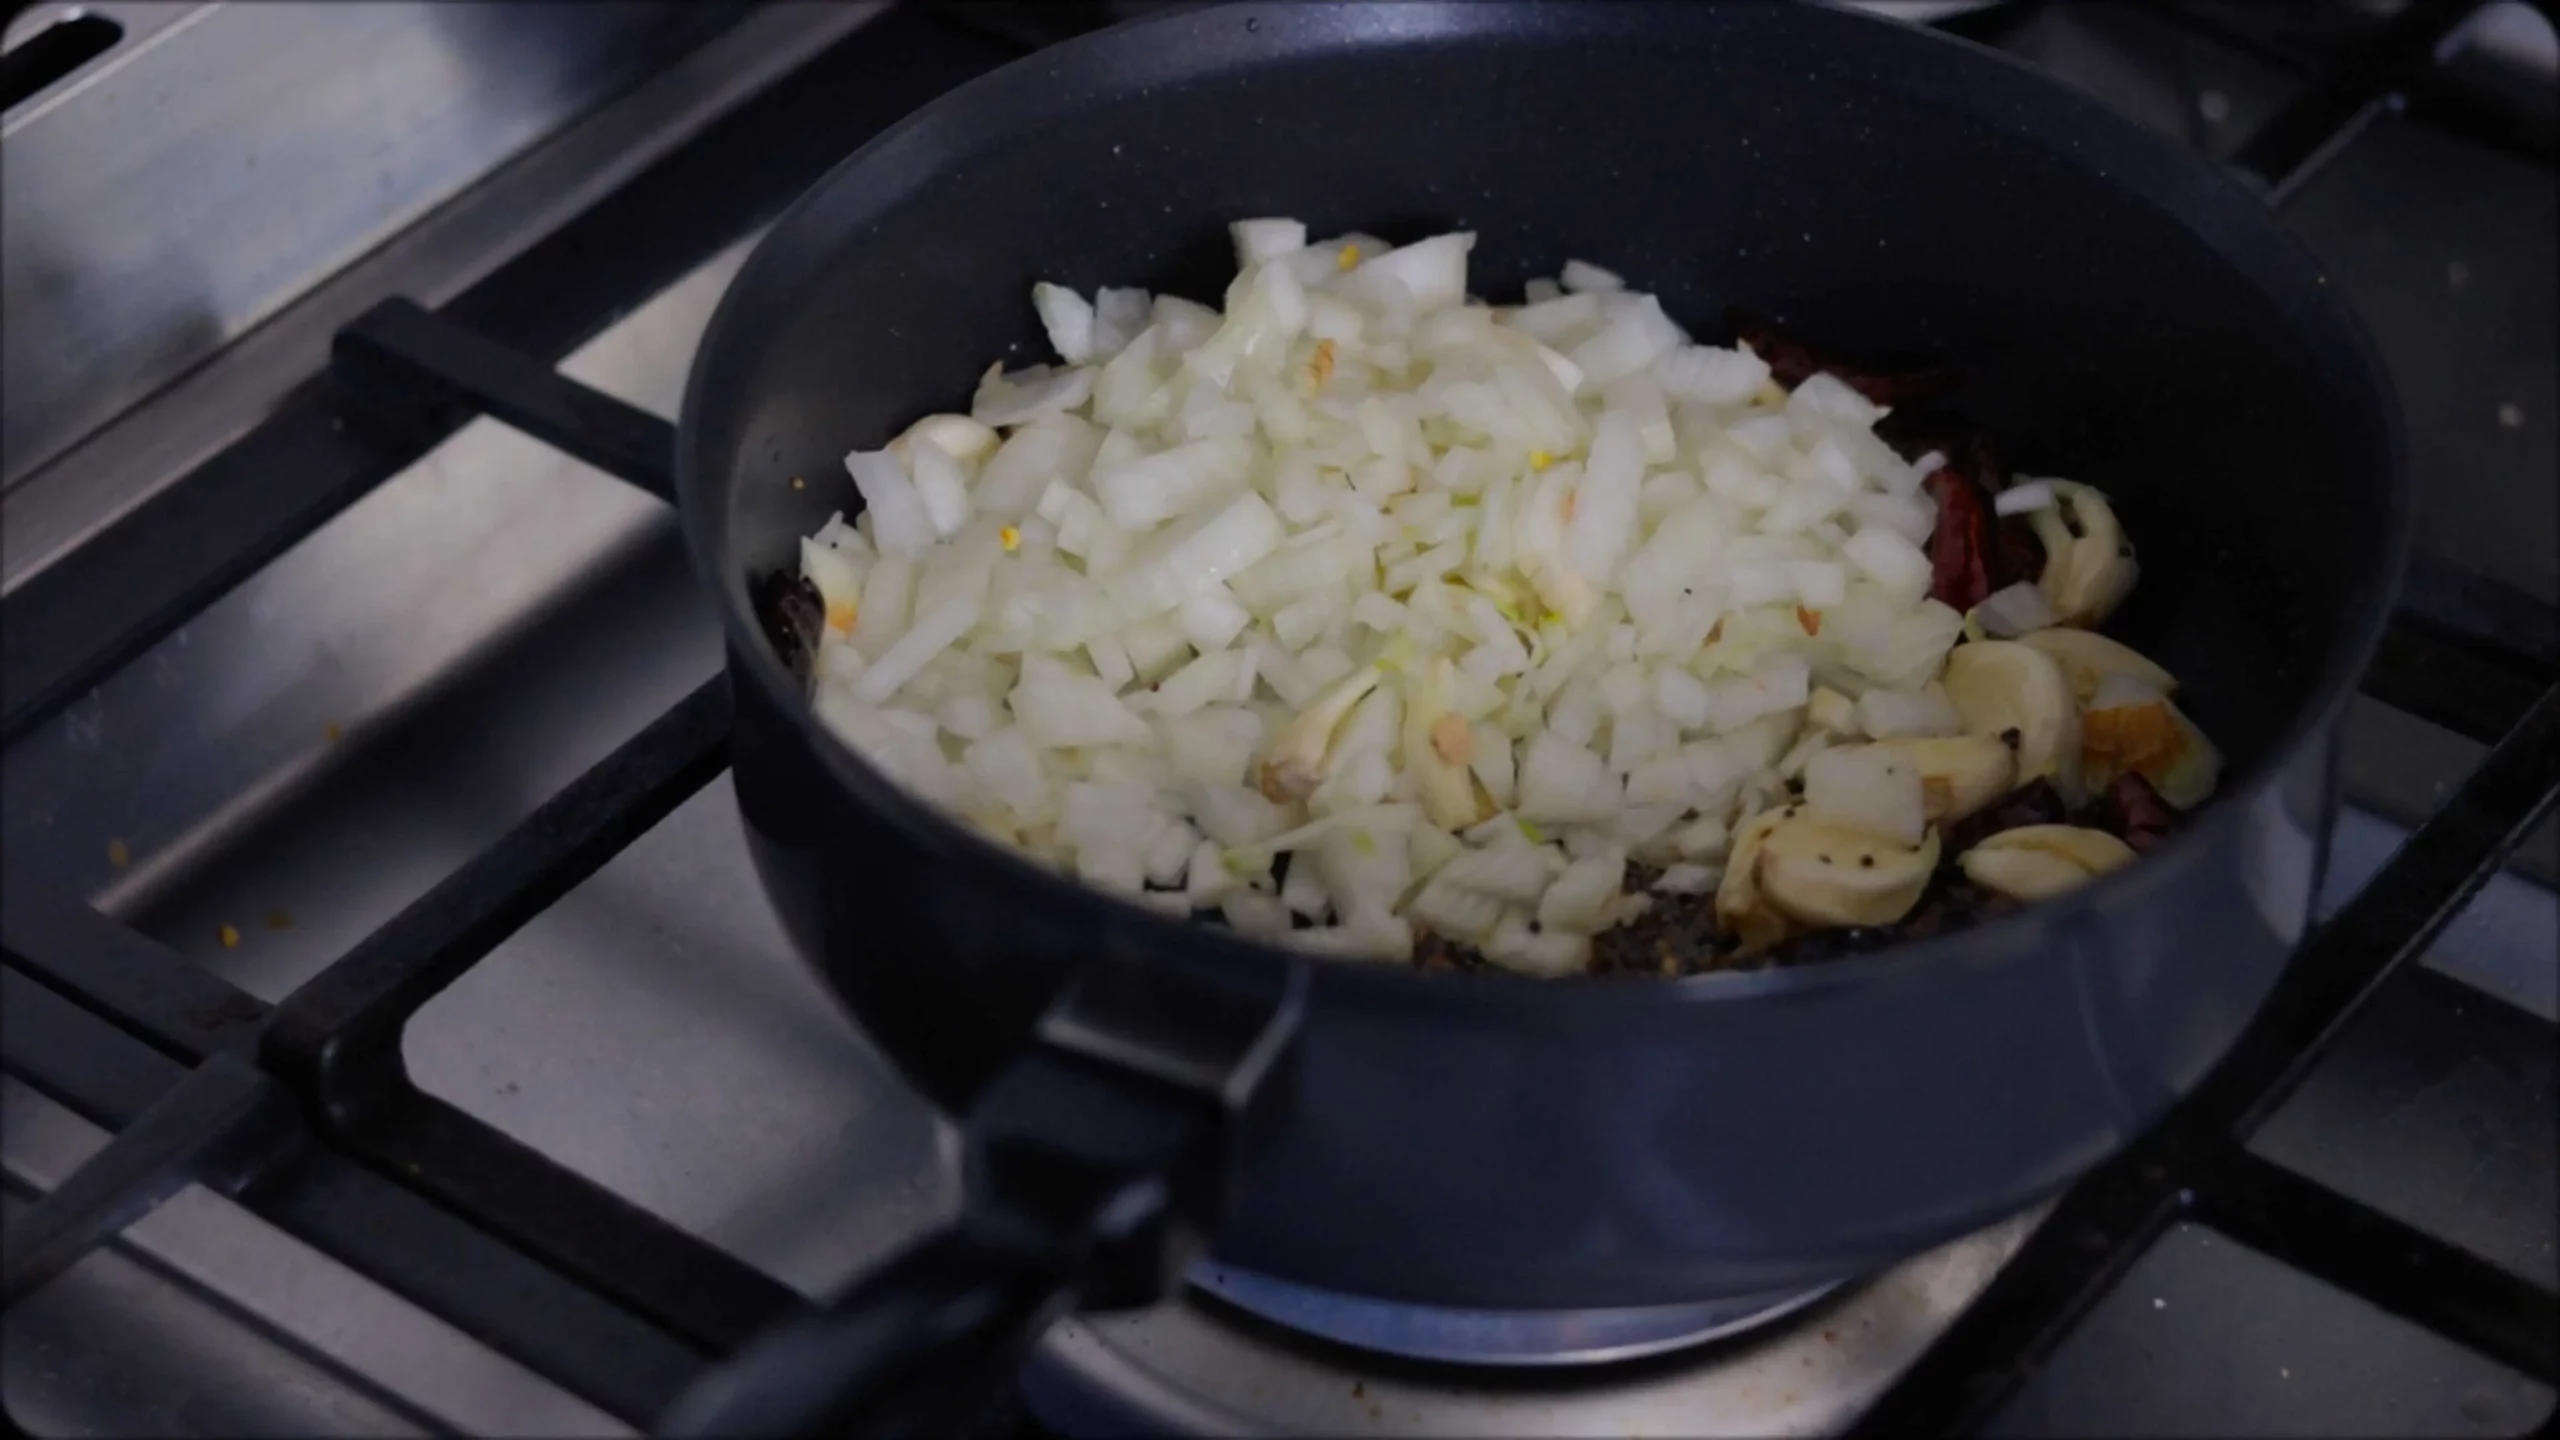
959	436
1433	271
1261	240
940	486
1563	783
934	632
1058	708
2013	610
1890	560
900	523
1068	317
1546	954
1581	275
1895	714
1869	788
1212	618
1191	557
1639	335
2020	498
1014	399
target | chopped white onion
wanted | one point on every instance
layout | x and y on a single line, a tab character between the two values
1361	603
900	523
1068	317
1874	789
1261	240
2014	610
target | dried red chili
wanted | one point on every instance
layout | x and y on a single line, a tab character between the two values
1963	552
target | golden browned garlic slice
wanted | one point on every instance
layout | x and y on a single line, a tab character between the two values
2190	778
2088	658
2033	862
2018	694
1959	774
2153	739
2088	564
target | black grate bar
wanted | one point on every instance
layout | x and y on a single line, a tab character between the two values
2389	923
183	1010
75	1058
516	1304
2521	628
337	1038
425	375
685	1287
2438	101
677	1282
2292	146
2384	1261
222	1124
511	1302
2445	679
2106	1220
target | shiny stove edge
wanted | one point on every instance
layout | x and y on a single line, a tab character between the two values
1183	1369
1521	1338
124	460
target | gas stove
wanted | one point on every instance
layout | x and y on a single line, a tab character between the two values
395	1036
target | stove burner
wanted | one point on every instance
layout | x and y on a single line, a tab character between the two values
1496	1337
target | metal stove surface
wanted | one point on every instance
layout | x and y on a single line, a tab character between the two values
314	751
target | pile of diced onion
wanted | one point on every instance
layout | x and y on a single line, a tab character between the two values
1363	605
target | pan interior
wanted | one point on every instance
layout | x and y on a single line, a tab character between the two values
2122	320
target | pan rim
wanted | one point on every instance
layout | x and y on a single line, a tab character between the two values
2225	214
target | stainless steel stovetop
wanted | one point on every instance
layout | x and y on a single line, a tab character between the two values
305	756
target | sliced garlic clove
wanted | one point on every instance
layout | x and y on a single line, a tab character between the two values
1959	774
2088	658
2019	694
2089	566
2034	862
2021	874
1821	875
1740	908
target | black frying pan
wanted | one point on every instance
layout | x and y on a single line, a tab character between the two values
2125	316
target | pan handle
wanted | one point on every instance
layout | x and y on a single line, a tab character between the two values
1094	1166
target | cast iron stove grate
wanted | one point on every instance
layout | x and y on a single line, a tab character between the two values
304	1112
